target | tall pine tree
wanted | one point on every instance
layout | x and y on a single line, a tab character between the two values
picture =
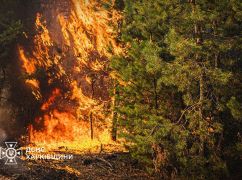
179	84
10	29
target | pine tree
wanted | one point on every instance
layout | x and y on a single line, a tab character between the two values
10	28
147	108
175	98
9	24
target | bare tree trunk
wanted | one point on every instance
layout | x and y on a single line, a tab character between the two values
30	130
198	38
114	127
91	124
114	115
156	96
201	95
91	115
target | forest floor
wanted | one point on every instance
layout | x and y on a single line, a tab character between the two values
83	166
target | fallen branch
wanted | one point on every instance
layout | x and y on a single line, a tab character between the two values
92	160
105	161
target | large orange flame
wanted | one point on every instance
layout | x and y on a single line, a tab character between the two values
73	52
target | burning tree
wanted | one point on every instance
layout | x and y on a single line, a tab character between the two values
66	69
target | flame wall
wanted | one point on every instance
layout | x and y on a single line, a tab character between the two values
66	69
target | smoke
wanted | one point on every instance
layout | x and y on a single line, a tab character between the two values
7	122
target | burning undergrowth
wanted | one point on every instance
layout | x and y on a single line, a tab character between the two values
66	70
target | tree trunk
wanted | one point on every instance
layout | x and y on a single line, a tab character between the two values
91	125
114	115
91	115
201	95
156	96
198	39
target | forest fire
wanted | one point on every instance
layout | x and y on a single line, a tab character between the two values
119	89
62	70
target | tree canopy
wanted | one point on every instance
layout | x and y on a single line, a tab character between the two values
179	85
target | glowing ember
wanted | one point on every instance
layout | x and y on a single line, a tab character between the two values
66	67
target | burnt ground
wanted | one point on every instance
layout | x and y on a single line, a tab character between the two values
88	166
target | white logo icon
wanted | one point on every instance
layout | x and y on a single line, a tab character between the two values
10	153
